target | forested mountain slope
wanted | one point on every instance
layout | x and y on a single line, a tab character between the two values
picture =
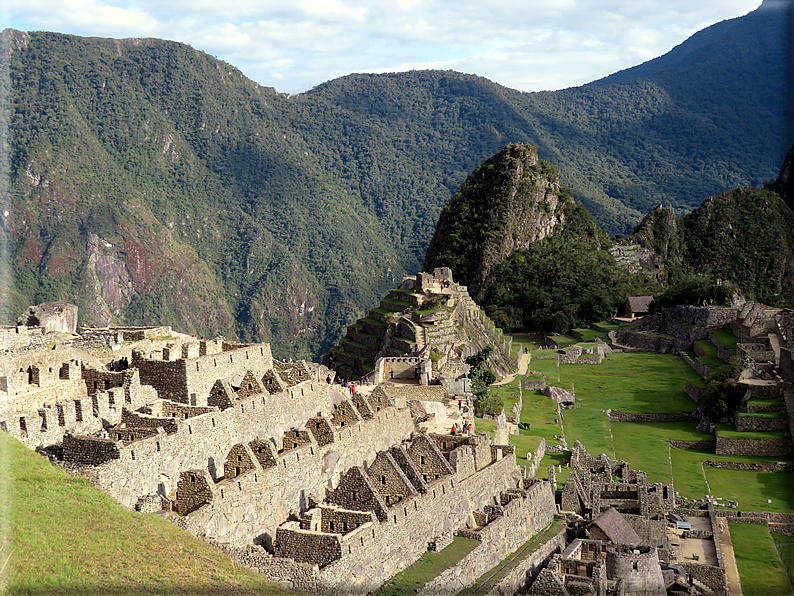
150	182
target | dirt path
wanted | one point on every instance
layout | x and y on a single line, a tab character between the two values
523	365
730	560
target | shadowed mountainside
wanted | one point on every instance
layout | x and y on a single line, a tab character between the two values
150	182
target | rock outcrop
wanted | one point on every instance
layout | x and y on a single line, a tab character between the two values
51	316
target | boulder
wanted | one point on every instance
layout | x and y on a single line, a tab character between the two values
561	396
51	316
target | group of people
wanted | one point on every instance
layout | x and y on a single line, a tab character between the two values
463	429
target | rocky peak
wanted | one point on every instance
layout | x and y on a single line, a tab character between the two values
510	201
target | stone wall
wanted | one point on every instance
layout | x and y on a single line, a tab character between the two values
567	358
693	444
248	506
90	450
533	385
498	539
696	365
532	468
203	442
693	391
373	553
522	576
418	392
786	364
73	412
750	423
618	416
650	343
759	352
760	447
730	465
711	576
707	316
191	380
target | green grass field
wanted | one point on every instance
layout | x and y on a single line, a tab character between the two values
590	335
66	537
649	383
727	339
429	566
785	549
761	570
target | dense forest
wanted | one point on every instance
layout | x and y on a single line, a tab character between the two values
151	183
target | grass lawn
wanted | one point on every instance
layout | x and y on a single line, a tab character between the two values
485	425
524	444
66	537
714	364
752	489
726	338
565	340
761	571
756	434
539	412
708	347
590	335
428	567
549	368
785	548
631	382
509	394
607	326
644	445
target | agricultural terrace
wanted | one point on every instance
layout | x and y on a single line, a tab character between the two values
638	383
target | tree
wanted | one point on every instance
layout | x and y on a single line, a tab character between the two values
482	378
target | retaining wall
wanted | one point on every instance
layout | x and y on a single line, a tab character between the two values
696	365
618	416
374	552
748	423
500	538
760	447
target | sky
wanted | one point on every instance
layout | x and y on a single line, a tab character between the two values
294	45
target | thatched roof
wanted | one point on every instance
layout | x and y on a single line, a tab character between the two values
617	529
639	303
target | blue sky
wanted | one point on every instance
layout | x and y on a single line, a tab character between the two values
295	45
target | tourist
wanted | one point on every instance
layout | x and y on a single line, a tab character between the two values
453	429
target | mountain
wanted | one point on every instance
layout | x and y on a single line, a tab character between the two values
509	202
741	238
149	182
530	255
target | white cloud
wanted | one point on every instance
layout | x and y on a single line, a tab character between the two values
296	45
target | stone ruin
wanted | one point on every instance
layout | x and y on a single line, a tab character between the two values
286	472
627	537
400	339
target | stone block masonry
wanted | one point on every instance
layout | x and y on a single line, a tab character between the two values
152	465
257	493
374	551
519	522
191	380
753	446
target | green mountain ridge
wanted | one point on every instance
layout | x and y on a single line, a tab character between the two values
151	183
